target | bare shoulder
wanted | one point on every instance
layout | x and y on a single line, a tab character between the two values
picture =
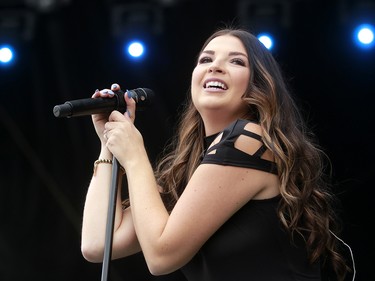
251	144
254	128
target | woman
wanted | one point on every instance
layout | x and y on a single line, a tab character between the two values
241	193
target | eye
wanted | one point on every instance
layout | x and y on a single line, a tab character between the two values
204	60
238	61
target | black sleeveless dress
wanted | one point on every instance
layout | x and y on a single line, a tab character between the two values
252	245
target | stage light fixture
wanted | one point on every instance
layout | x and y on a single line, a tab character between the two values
135	26
268	19
358	18
16	28
47	6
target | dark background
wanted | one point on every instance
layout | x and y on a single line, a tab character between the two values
70	48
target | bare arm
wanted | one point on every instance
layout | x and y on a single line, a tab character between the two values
95	218
96	208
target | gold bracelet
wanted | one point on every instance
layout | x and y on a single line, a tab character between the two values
105	161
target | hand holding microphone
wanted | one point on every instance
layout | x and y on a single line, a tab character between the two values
82	107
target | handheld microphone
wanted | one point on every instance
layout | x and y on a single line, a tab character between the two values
81	107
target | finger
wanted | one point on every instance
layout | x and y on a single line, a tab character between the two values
103	93
96	94
130	106
115	87
115	116
106	93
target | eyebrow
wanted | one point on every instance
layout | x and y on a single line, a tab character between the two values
230	53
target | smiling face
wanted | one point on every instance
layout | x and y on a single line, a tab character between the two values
220	79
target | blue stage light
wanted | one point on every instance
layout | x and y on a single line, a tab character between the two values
266	39
135	50
6	54
364	36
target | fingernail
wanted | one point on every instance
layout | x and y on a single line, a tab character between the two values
114	86
130	94
97	90
108	92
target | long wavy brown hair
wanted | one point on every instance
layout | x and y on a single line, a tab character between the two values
307	205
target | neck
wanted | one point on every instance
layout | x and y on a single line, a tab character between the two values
215	123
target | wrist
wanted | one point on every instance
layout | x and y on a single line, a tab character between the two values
105	161
138	159
105	153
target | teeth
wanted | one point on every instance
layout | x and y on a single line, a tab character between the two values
216	84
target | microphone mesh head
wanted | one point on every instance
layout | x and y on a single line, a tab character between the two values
144	97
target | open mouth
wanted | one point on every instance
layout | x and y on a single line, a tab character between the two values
215	85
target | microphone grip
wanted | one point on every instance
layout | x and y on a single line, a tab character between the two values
88	106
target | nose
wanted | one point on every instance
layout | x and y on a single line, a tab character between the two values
215	67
